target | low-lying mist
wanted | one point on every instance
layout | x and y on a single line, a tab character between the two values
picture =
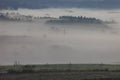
40	43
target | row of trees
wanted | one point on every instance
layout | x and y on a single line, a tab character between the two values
3	16
15	17
74	19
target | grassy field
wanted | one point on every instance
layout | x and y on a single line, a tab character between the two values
61	72
66	75
65	67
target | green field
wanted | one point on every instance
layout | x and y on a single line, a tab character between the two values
61	72
108	67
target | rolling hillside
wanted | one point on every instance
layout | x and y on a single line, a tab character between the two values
37	4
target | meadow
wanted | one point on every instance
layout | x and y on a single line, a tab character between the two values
61	72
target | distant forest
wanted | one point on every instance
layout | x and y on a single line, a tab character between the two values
37	4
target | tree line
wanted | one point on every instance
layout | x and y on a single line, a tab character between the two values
75	19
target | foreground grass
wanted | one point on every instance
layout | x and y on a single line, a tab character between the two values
65	67
61	72
63	75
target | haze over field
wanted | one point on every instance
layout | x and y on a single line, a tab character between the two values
37	42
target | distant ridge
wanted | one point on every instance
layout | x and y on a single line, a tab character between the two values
38	4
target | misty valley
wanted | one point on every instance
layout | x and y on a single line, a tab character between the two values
57	35
59	39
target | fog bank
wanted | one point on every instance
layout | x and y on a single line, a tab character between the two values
40	43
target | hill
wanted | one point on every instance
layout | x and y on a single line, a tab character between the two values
37	4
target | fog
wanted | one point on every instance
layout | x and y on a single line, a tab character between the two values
40	43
